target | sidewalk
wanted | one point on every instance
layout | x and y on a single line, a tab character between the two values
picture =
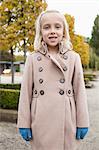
6	78
8	115
10	138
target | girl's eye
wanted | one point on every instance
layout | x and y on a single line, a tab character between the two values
58	27
46	27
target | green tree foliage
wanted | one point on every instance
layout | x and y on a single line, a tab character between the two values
94	42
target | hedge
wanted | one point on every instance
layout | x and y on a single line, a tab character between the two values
90	76
9	98
10	86
86	80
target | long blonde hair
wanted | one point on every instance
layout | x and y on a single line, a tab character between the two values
38	37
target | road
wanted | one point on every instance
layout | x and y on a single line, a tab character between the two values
11	140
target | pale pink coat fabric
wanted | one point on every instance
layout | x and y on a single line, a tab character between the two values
52	116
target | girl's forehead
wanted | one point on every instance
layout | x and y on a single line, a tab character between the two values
51	17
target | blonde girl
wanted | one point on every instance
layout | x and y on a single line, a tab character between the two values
53	113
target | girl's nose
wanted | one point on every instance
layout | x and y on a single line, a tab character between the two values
52	31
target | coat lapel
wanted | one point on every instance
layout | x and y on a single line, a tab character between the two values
57	63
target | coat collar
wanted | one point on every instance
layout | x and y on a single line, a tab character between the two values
57	60
44	49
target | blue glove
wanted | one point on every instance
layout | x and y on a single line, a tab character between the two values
26	133
81	132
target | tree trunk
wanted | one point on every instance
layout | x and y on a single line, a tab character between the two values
24	51
12	66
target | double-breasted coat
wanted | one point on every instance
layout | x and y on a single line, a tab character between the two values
53	99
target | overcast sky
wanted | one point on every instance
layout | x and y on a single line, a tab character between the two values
84	12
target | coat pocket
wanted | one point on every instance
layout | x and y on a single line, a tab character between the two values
34	104
33	108
73	110
72	105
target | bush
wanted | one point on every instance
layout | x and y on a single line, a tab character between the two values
10	86
17	69
86	80
9	98
89	76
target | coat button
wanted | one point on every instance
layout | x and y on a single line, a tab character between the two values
69	91
49	56
42	92
44	51
35	91
65	57
65	68
41	80
40	69
62	80
61	92
39	58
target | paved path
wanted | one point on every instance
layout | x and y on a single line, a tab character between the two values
8	78
11	140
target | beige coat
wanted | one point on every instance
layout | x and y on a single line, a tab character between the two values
53	100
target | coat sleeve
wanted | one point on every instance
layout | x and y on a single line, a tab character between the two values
82	116
24	115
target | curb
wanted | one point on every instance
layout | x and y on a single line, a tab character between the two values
8	115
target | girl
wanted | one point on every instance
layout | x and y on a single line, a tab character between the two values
52	112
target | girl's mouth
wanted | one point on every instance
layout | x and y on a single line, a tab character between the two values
52	37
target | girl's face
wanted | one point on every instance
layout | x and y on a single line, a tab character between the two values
52	29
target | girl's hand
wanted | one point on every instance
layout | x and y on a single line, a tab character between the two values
81	132
26	133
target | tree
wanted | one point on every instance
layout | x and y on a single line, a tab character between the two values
70	20
27	14
78	41
82	48
7	36
94	41
19	58
5	56
17	21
